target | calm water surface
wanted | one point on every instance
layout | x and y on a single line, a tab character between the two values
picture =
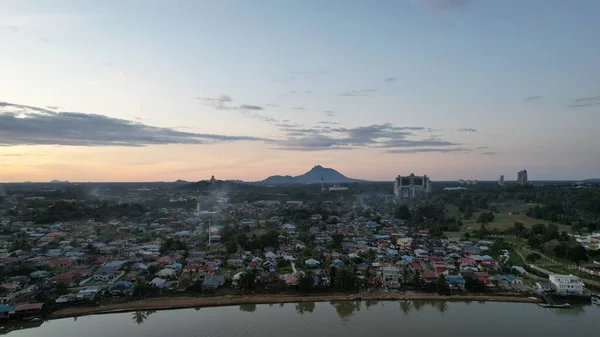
348	319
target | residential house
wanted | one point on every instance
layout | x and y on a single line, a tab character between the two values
312	263
89	292
235	263
456	282
212	283
430	276
108	271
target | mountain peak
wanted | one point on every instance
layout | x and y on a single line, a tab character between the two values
317	174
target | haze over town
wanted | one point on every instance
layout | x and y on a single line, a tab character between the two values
164	91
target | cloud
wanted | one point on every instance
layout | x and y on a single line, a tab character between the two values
372	136
21	155
466	130
482	147
441	5
428	150
298	108
225	102
28	125
532	98
390	79
585	102
52	107
326	122
254	115
300	75
250	107
13	28
489	153
329	113
272	105
417	143
357	93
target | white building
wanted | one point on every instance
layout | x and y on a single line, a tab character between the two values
390	276
567	284
522	178
411	186
501	180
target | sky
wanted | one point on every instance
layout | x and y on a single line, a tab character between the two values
165	90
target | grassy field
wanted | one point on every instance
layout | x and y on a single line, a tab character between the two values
508	213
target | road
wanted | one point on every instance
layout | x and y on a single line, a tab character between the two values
548	272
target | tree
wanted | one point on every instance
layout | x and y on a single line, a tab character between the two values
336	240
306	284
333	275
534	241
485	217
402	212
482	232
551	233
533	257
172	245
559	250
538	229
142	289
474	285
416	279
61	288
231	246
468	213
435	231
441	285
242	240
519	229
578	254
345	279
248	280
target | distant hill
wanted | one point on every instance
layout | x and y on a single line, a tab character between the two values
60	182
315	175
592	181
179	181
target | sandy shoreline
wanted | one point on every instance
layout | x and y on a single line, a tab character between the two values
162	303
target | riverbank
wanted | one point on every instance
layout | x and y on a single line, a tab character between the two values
162	303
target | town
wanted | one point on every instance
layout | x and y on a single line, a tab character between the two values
66	246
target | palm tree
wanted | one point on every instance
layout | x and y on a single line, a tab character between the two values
418	305
304	307
442	306
406	306
139	316
441	284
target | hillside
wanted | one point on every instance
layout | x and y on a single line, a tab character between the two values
328	175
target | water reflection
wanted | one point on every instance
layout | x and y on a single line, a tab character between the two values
141	315
304	307
371	303
345	309
7	327
248	307
247	318
406	306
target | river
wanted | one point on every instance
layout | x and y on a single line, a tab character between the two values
348	319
